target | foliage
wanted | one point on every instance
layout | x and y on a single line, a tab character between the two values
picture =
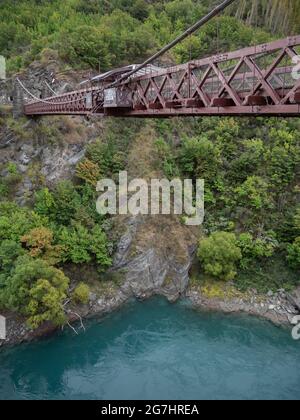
36	289
220	254
9	253
81	293
254	193
45	304
15	221
88	171
166	158
255	249
199	158
82	246
105	158
294	253
39	242
110	34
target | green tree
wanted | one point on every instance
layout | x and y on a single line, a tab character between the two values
32	287
45	304
254	193
220	255
294	254
255	249
82	246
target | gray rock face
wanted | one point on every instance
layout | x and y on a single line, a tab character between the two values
154	259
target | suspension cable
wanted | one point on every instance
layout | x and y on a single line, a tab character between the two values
50	88
45	101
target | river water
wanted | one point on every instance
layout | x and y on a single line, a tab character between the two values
156	350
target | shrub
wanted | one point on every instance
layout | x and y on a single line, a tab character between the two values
220	254
44	202
82	245
254	193
9	253
45	304
81	294
199	157
88	171
16	221
255	248
37	290
39	241
294	254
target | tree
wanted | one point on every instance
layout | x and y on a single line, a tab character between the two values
36	289
293	256
16	221
60	204
39	241
45	304
199	158
44	202
253	249
9	253
254	193
85	45
82	246
220	254
88	171
76	242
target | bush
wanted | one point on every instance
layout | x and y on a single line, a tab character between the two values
294	254
82	246
81	294
88	171
199	158
220	254
39	242
253	249
254	193
37	290
16	222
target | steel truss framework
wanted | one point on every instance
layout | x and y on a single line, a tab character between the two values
258	80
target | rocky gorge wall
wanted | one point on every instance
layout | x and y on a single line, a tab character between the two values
153	254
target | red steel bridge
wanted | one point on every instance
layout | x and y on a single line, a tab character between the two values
258	80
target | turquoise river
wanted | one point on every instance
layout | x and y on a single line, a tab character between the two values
157	350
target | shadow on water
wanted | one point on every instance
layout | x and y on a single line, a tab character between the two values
157	350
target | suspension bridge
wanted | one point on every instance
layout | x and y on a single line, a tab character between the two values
257	80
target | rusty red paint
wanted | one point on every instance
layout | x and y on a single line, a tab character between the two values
225	84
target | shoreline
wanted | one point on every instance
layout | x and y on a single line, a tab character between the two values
276	309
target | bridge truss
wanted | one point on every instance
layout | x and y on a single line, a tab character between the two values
258	80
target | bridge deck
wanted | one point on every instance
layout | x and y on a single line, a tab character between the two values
258	80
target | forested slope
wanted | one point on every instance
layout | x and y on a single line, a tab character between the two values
251	234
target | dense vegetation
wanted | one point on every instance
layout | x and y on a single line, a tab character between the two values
84	34
251	166
251	171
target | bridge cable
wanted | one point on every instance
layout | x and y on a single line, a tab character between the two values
50	88
48	102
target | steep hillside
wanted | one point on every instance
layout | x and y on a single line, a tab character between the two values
58	256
